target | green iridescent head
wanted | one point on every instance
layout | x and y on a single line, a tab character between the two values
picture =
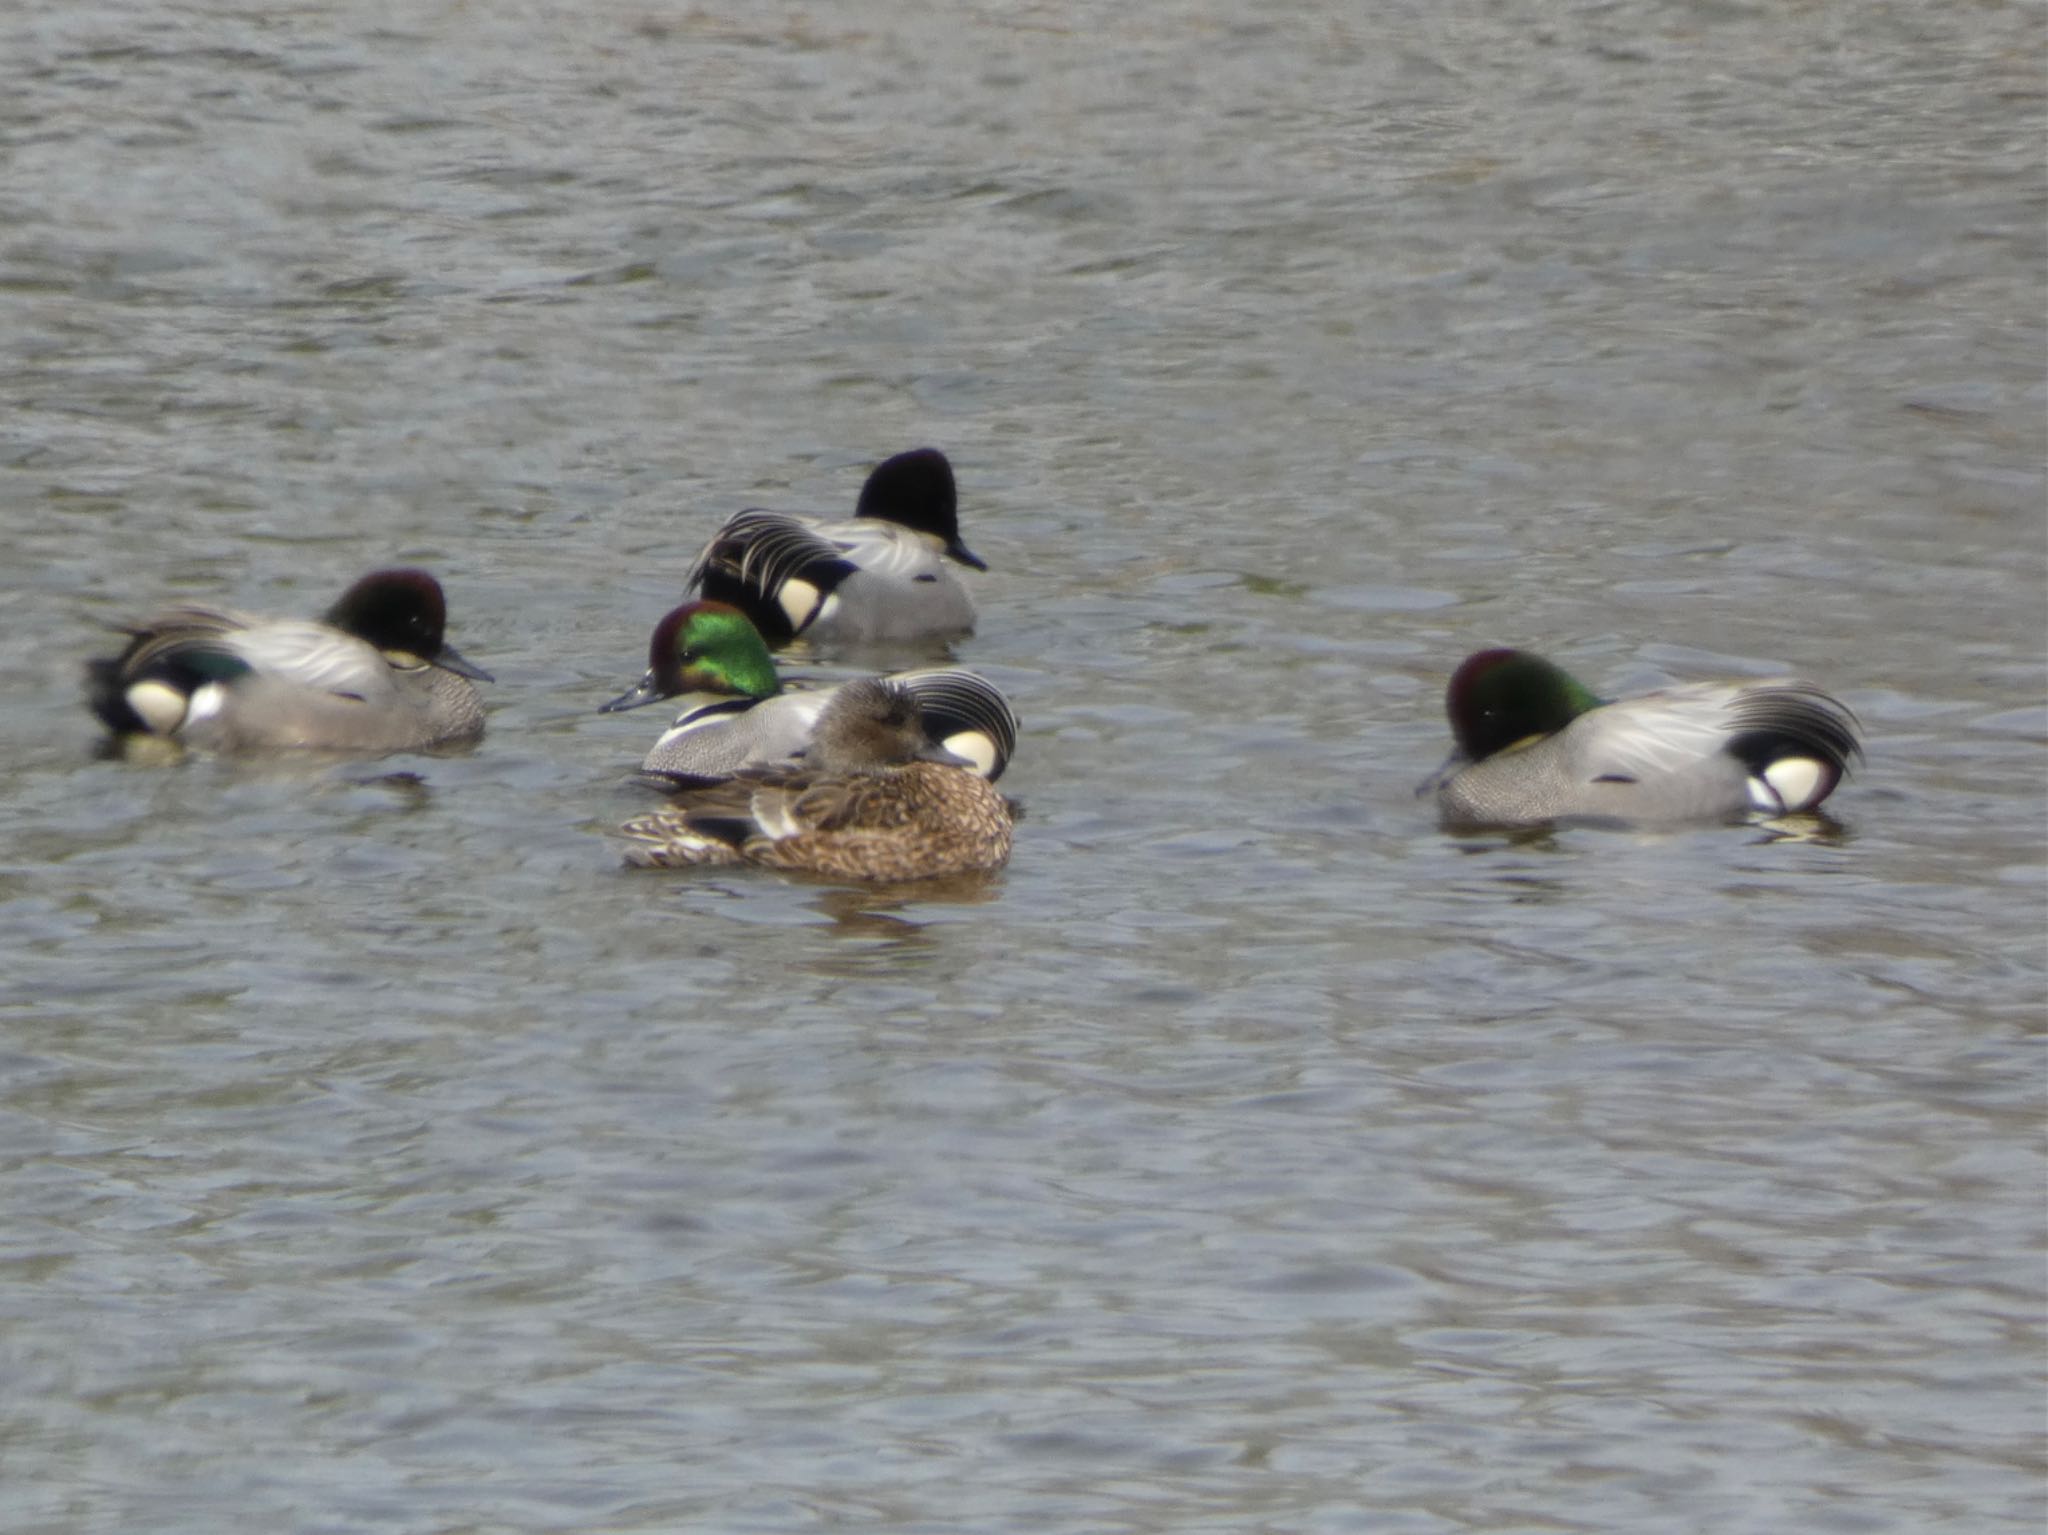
703	647
1500	698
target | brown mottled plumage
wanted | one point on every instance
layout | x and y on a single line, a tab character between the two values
875	802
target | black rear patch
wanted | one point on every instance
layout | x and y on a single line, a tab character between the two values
731	830
106	694
182	662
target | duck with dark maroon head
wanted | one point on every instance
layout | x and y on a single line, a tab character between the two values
885	575
374	674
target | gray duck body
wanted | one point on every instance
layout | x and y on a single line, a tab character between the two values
374	675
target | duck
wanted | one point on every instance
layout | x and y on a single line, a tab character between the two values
373	674
1534	744
886	575
875	801
736	713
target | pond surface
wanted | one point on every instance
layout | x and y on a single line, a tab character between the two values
1252	1154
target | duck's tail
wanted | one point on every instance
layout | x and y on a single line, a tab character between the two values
773	569
148	688
1797	742
965	713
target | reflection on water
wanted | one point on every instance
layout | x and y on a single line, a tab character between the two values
874	911
1252	1153
1815	826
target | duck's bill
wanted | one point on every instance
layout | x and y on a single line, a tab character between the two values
633	698
933	752
966	556
1451	764
452	660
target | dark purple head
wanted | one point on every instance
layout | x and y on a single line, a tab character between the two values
916	490
402	612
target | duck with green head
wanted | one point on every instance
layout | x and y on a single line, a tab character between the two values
1535	744
737	714
875	799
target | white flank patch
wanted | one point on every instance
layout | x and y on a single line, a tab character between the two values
977	748
1794	780
772	815
160	706
799	599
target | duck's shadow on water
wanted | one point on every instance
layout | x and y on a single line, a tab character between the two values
886	918
878	931
881	911
1551	862
1815	826
298	765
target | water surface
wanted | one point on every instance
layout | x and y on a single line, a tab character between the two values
1251	1154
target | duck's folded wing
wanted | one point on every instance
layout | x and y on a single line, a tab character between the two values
889	551
857	801
313	656
1656	736
774	567
707	826
759	802
1766	727
174	631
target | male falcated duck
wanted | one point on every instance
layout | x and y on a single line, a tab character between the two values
736	713
374	674
1535	744
883	576
876	801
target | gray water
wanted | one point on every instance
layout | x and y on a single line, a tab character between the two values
1251	1155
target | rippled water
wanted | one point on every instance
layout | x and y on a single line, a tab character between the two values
1252	1154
